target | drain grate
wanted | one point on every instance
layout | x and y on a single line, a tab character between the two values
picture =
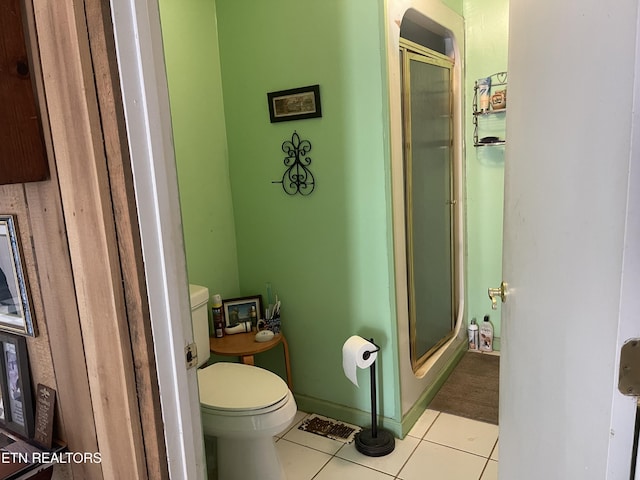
327	427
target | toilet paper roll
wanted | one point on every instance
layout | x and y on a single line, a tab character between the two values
353	352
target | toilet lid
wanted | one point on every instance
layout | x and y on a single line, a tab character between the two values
235	387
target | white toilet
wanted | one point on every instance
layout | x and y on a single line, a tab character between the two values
242	405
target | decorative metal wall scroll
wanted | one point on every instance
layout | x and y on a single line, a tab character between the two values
297	178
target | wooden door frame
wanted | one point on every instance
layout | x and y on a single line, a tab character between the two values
73	42
139	47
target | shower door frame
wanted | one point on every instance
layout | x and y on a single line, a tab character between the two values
411	51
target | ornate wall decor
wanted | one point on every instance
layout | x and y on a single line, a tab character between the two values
297	178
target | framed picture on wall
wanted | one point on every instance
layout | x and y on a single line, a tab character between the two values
16	404
15	309
295	104
238	310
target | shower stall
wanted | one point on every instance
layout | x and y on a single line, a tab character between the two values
429	201
425	45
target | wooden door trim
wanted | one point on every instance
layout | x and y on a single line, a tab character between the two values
93	169
107	79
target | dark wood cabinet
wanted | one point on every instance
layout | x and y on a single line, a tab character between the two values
22	149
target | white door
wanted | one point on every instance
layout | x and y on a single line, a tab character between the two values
146	103
571	239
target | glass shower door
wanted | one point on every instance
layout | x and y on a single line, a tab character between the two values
428	202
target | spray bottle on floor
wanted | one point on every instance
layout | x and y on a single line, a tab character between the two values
473	335
486	335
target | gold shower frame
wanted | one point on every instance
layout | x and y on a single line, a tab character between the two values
409	50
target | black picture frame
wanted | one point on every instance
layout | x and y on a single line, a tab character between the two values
15	309
295	104
242	307
16	404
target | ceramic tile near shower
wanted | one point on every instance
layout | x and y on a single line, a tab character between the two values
438	445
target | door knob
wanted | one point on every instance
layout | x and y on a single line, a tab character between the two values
498	292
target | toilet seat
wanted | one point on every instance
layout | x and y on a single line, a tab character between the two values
235	389
208	410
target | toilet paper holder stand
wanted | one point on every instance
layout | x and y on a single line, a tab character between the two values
374	441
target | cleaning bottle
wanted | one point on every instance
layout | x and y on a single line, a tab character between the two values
473	335
218	316
486	335
253	315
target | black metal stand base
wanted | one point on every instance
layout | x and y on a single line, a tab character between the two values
380	445
374	441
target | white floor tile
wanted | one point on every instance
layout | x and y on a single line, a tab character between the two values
494	454
436	461
390	464
424	422
311	440
300	463
453	449
339	469
464	434
490	471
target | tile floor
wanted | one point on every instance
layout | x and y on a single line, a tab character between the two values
439	446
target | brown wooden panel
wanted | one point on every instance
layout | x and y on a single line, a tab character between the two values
81	167
99	25
22	151
56	310
59	325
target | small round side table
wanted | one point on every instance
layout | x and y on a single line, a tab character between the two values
244	345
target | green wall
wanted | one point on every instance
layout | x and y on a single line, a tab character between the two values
486	31
193	71
327	255
455	5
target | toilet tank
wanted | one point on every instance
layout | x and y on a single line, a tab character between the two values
200	321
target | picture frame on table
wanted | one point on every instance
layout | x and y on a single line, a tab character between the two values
238	310
16	404
295	104
15	308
